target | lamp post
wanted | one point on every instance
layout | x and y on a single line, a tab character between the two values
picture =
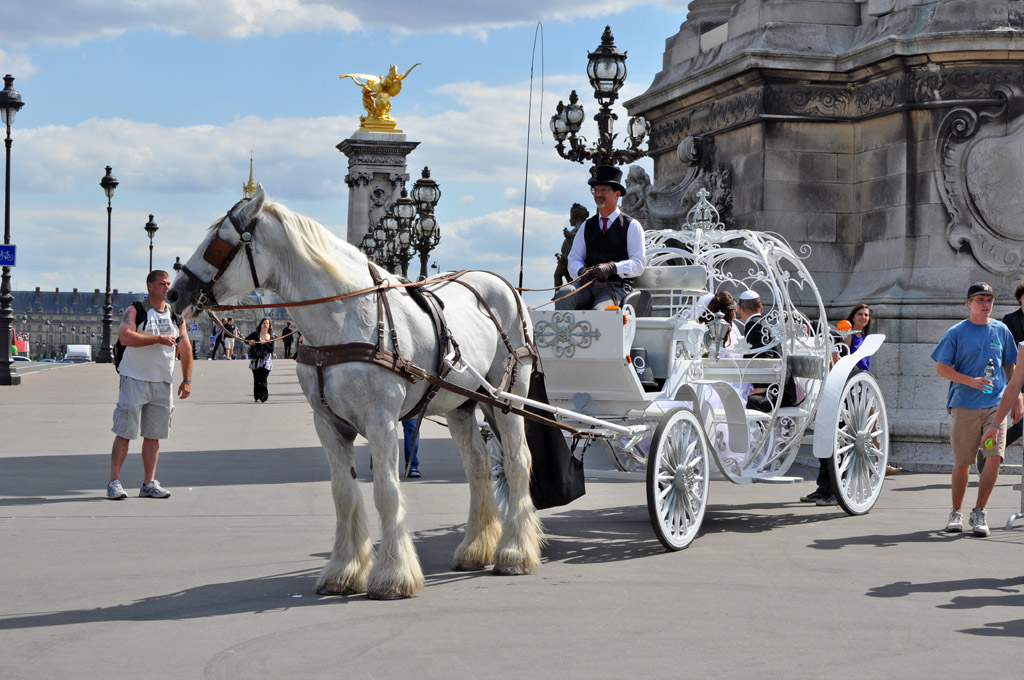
48	342
606	69
427	235
63	337
151	231
10	104
105	355
408	227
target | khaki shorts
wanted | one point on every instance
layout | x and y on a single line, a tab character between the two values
229	342
969	425
143	406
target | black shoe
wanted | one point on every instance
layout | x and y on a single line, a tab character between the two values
414	473
813	497
825	502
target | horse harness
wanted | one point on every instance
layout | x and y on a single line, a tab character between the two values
221	254
394	361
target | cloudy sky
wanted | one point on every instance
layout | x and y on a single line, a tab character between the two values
173	94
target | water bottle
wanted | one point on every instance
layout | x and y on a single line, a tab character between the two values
990	373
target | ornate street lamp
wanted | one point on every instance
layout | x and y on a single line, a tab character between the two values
606	69
10	104
177	265
426	235
404	210
151	231
105	355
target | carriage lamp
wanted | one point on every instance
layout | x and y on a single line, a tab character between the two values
151	232
105	355
718	328
606	69
10	104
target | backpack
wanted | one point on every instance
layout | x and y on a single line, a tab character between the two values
141	317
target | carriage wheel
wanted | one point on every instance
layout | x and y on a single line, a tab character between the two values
861	449
677	478
496	458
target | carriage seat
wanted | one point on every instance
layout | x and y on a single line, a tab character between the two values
684	280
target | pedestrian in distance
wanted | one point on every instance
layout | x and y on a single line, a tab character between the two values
261	359
977	357
144	403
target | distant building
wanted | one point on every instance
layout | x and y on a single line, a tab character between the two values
51	320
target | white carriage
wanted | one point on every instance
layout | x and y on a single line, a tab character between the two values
659	393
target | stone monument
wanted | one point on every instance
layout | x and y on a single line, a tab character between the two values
886	134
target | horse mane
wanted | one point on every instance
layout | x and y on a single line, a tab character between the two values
311	240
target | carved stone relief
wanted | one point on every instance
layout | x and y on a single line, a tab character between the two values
667	207
981	155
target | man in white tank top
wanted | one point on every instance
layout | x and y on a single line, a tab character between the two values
144	402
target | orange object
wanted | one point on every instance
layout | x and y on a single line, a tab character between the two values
612	307
844	325
629	359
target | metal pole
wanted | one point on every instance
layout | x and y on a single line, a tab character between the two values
8	373
105	356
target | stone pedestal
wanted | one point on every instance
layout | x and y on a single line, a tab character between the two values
886	134
376	175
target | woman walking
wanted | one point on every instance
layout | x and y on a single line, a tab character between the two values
261	352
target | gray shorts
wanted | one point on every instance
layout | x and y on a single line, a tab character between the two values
143	406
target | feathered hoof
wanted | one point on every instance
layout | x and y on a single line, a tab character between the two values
389	594
510	570
463	566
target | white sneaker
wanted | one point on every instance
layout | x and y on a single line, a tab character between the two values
978	523
115	492
956	522
153	490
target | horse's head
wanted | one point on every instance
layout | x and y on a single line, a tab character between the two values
222	265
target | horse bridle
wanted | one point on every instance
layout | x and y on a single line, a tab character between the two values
221	254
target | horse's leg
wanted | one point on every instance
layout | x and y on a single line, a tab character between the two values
522	534
352	554
396	573
483	528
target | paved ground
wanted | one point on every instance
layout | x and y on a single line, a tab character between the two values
217	581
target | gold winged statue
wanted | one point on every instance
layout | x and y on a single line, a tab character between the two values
377	94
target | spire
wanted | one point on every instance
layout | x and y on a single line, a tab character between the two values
249	189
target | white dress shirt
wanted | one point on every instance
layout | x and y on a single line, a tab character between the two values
629	268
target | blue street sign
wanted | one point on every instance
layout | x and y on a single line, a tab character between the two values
7	255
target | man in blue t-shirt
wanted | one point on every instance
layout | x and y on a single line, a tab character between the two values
962	356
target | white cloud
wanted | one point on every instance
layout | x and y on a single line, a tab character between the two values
75	20
16	63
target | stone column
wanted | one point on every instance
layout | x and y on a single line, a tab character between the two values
376	175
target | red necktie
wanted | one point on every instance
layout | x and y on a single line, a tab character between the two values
604	225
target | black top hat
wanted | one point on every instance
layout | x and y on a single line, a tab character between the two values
607	175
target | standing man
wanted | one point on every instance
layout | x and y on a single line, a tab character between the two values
286	338
229	333
961	357
1015	322
147	371
608	249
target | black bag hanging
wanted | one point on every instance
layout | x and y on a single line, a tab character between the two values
557	475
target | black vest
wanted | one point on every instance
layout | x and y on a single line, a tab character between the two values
610	246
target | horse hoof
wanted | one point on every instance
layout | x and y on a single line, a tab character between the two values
509	570
468	567
331	590
393	594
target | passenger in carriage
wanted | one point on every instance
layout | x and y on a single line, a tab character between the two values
608	250
757	337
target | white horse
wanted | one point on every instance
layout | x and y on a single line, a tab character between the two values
300	260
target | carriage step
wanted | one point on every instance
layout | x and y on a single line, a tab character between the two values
768	479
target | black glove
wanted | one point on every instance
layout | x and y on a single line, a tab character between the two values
604	271
586	274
